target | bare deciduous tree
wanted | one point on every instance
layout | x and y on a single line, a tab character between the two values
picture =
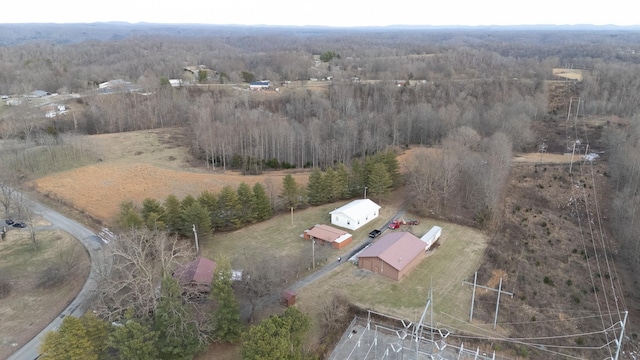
140	259
263	277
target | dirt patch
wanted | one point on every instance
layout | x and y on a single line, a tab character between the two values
496	275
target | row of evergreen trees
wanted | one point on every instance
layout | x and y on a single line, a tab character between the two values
227	210
377	174
232	209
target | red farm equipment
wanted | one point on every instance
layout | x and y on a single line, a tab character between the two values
394	224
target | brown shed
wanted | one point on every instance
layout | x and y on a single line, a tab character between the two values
394	255
328	235
288	298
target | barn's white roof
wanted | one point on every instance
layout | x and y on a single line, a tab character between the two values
357	208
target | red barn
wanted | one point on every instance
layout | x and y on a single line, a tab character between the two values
393	256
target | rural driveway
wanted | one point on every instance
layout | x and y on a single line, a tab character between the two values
79	305
332	265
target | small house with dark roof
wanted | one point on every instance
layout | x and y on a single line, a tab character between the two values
328	235
394	255
196	275
355	214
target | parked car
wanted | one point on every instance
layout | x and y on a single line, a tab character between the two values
19	225
9	221
375	233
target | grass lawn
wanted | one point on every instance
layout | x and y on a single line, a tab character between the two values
278	237
29	308
456	258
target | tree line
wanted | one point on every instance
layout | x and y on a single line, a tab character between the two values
234	208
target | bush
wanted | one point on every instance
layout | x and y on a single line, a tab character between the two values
51	277
547	280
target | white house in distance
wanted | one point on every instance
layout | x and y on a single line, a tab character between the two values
355	214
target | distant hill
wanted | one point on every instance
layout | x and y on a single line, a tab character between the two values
16	34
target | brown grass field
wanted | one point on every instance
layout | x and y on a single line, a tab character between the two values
140	165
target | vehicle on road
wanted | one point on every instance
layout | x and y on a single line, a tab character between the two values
19	225
394	224
375	233
9	222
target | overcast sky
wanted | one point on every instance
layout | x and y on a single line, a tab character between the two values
324	12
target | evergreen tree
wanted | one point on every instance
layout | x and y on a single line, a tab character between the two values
341	183
393	168
197	215
76	339
317	188
209	201
262	206
177	332
298	325
227	325
133	340
173	214
230	208
187	201
291	192
129	217
247	203
380	182
267	340
153	214
277	337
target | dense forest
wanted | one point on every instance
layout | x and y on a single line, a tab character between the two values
338	97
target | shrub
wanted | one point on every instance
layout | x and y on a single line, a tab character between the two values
569	282
51	277
547	280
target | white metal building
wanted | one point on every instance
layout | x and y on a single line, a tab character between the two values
355	214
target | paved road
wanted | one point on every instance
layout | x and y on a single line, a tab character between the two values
79	305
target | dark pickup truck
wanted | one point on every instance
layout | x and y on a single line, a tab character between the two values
375	233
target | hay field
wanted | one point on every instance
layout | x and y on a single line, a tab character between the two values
139	165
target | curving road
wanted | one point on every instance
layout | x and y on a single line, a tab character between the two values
95	247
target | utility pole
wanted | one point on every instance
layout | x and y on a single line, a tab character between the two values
365	192
313	252
195	234
292	216
619	339
499	290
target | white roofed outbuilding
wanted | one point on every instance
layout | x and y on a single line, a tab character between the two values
431	236
355	214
